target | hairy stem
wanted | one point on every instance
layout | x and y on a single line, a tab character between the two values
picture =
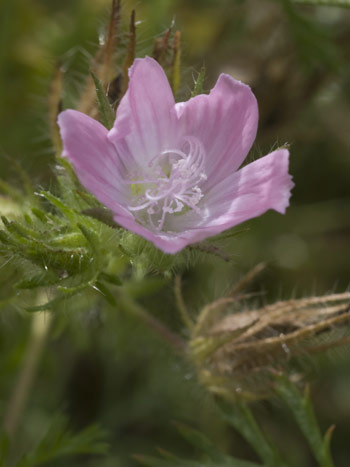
187	320
172	339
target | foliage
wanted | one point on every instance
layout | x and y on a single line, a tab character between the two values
136	338
59	442
240	416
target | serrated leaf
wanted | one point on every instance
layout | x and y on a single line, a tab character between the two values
90	236
40	280
20	230
41	215
301	407
68	169
4	237
67	240
107	113
60	205
60	442
196	438
242	419
102	215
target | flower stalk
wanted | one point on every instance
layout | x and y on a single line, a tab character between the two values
128	305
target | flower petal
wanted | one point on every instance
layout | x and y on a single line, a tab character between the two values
146	120
94	158
262	185
225	121
168	243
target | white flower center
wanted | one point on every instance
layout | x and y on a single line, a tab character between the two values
171	185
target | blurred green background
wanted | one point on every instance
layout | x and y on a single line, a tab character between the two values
297	60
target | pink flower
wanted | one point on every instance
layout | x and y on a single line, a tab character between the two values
169	172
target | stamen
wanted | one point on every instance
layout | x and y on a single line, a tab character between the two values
174	183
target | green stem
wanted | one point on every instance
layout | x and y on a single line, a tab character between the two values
181	304
128	305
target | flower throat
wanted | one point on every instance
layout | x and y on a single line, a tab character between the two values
172	184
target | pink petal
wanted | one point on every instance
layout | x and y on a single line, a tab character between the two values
226	123
146	120
168	243
93	157
262	185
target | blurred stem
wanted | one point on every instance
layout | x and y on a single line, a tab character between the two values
181	304
246	280
172	339
39	330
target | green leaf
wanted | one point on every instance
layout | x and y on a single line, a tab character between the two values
205	446
5	238
198	84
90	236
20	230
60	442
107	113
105	292
41	215
60	205
303	412
67	240
242	419
40	280
111	278
195	438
